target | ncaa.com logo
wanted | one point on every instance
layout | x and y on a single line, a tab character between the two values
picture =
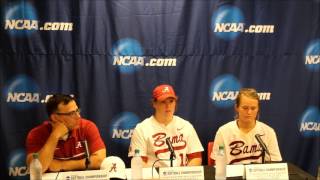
22	92
310	122
127	55
227	23
122	127
224	90
21	17
312	55
17	168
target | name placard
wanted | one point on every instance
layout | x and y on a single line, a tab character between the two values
267	171
77	175
236	170
186	172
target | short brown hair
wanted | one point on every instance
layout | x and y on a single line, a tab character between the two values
55	100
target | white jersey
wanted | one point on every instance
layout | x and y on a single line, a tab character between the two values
243	148
149	137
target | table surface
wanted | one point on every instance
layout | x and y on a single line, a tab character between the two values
295	173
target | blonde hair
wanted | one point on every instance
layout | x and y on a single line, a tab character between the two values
249	92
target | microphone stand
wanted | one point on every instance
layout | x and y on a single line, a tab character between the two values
87	162
263	154
171	159
86	153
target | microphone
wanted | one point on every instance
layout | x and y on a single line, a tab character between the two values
170	147
86	153
262	144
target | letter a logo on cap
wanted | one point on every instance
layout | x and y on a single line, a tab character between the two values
113	167
165	89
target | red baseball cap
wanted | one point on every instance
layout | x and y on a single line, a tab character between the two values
163	92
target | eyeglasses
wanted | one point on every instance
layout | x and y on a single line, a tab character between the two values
71	113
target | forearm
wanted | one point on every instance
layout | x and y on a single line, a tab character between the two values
46	153
273	147
95	161
67	165
195	162
72	165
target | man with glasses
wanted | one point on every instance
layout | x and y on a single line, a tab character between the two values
61	140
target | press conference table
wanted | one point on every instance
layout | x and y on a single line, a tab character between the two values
295	173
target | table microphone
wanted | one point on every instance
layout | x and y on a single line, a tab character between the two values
170	147
262	144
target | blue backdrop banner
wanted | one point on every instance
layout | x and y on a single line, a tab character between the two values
110	54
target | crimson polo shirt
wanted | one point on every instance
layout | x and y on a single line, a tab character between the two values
73	147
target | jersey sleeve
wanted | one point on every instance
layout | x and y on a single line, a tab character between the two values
93	137
218	140
194	144
138	142
273	146
36	140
